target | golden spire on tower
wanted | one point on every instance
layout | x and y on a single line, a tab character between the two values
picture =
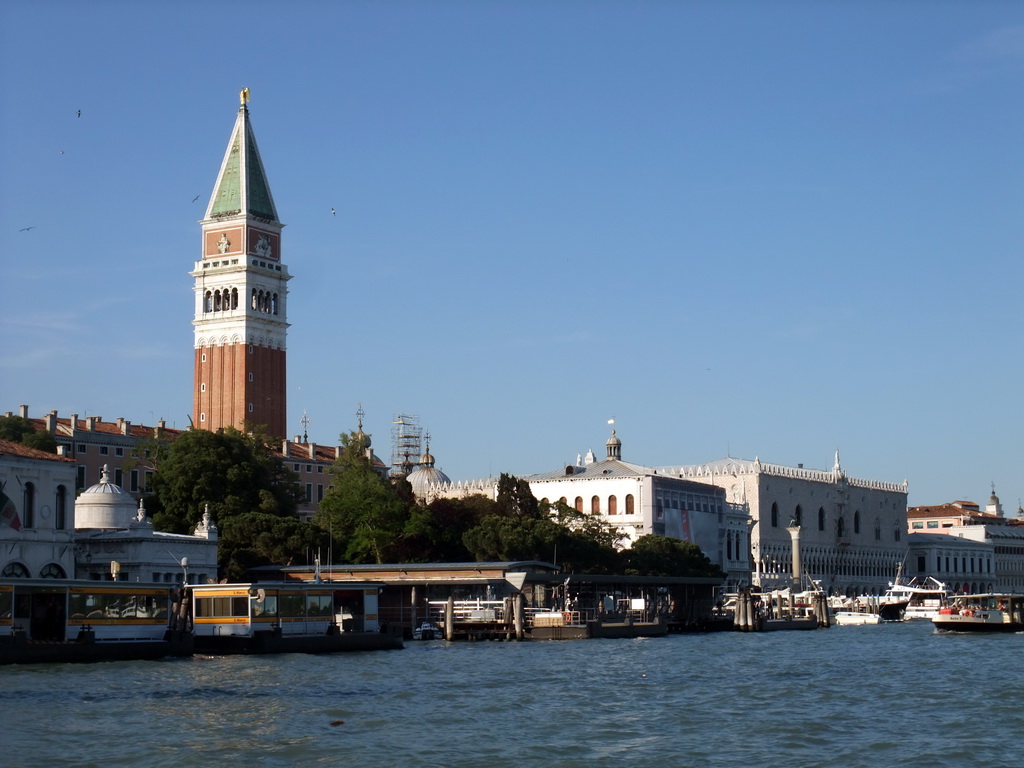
244	96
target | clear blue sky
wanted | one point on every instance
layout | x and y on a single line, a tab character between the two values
745	228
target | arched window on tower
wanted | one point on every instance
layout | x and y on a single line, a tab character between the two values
254	299
218	304
208	303
273	304
234	298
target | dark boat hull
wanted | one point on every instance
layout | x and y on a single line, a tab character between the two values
17	649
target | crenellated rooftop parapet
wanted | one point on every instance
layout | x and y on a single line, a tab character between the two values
734	468
459	489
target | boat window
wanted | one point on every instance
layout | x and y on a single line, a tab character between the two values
222	607
118	605
319	605
265	607
292	604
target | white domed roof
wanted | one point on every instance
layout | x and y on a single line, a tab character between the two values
104	505
424	476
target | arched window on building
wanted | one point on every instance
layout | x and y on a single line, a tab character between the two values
595	505
217	305
897	532
613	505
273	304
15	571
254	305
61	507
841	527
52	571
798	515
28	507
856	521
629	503
234	298
878	529
579	503
821	518
775	515
208	302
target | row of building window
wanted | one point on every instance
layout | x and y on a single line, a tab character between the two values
595	504
226	300
841	531
104	450
27	517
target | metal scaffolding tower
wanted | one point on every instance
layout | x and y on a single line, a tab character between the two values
406	442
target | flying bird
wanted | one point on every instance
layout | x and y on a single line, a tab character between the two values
333	213
195	198
25	229
79	113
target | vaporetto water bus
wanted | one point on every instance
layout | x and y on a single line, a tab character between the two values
288	617
982	613
67	620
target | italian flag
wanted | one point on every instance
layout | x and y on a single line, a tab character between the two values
7	511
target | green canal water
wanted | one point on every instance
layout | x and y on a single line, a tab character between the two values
846	696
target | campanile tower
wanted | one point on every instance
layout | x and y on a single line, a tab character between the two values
241	289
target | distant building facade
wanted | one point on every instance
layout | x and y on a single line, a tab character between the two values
968	549
851	532
37	523
637	501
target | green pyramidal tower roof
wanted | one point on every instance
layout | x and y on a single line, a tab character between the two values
241	188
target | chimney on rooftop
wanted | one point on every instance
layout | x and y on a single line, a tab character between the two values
23	411
51	422
286	448
74	421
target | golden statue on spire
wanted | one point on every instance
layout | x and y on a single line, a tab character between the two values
244	96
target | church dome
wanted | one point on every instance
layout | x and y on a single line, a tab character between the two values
426	475
105	505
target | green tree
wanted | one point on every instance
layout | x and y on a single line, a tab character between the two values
18	429
231	473
653	555
363	512
434	532
515	499
257	538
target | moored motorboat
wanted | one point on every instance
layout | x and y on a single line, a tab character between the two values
288	617
427	631
68	620
924	598
845	618
990	612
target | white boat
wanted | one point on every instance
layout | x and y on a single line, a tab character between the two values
68	620
924	598
288	617
427	631
989	612
844	618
